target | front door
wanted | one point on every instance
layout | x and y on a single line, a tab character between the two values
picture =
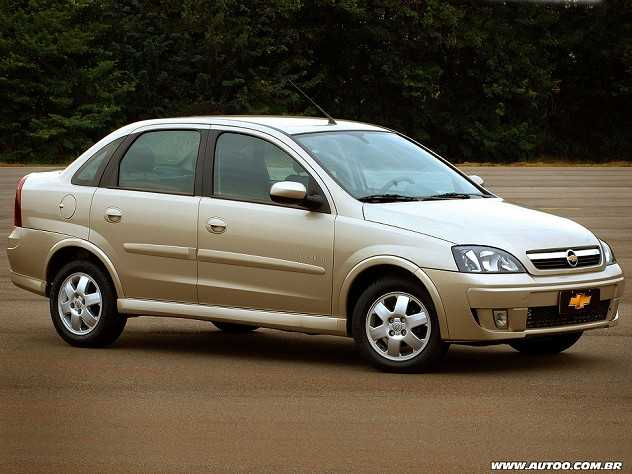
145	217
254	253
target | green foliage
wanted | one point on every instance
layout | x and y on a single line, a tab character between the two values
479	81
592	113
60	88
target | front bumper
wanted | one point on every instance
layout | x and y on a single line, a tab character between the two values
468	300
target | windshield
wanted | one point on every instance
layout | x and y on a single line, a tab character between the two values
371	165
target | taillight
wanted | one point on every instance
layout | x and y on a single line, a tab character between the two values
17	209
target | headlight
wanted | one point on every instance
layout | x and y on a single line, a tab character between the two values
608	254
479	259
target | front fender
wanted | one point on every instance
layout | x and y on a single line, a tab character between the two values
340	300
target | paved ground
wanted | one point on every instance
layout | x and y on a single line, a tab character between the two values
174	395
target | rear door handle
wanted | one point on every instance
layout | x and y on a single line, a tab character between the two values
113	215
215	225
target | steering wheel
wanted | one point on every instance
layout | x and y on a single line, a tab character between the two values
395	182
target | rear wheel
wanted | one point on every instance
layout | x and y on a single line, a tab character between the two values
396	327
546	344
83	306
234	327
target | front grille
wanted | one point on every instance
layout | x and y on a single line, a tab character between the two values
549	316
557	259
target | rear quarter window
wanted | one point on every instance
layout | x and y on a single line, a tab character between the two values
90	171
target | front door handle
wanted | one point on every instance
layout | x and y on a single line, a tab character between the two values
215	225
113	215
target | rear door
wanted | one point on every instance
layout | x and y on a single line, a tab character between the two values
254	253
144	215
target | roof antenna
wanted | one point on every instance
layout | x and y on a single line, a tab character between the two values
329	117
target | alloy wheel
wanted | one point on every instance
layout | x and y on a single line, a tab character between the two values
398	326
79	303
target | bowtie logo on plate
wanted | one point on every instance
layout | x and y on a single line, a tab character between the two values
579	301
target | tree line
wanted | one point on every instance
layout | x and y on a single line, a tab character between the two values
481	80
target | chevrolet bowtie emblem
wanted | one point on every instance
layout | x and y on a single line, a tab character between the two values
579	301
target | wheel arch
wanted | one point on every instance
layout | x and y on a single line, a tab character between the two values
367	270
73	248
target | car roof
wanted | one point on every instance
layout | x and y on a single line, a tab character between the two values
288	125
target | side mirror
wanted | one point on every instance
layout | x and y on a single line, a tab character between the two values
290	192
477	179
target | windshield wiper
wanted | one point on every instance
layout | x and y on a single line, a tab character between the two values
402	198
387	198
437	197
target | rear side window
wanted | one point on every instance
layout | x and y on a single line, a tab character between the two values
89	173
162	161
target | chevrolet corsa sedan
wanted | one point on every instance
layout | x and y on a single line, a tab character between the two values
303	225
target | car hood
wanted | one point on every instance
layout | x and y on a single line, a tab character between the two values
488	221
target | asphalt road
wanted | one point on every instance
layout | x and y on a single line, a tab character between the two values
176	395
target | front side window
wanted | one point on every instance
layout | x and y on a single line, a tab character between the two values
384	164
246	167
88	173
161	161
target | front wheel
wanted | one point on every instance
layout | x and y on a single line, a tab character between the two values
396	327
546	344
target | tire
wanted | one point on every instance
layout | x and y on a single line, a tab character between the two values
386	338
546	345
234	327
76	320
